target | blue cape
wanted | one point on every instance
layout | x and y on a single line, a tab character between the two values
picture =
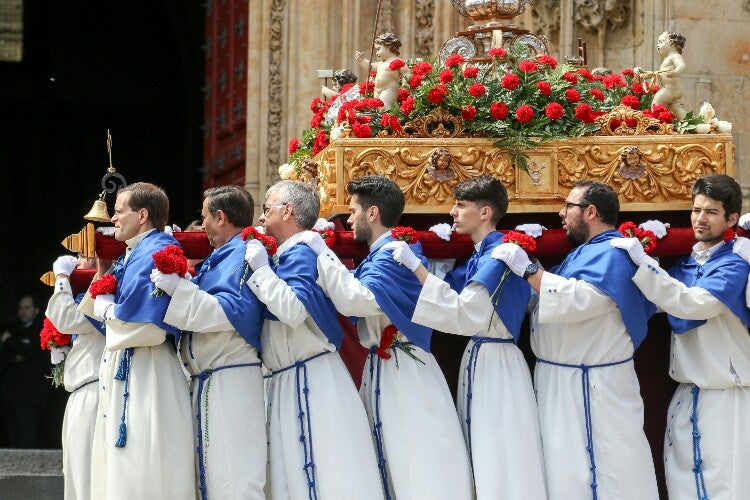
510	299
611	271
298	266
222	274
396	289
133	299
724	276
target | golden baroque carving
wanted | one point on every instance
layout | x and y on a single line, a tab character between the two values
437	123
624	120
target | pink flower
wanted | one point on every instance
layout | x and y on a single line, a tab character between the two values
510	81
498	110
527	66
471	72
396	64
496	52
468	112
631	101
524	113
477	90
454	60
554	111
544	87
572	95
446	76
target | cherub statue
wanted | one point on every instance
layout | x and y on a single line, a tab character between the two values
669	45
387	80
440	165
341	78
631	164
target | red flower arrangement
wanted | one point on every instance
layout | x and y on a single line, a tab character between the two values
269	242
729	235
169	260
646	237
404	233
328	235
523	240
51	337
107	284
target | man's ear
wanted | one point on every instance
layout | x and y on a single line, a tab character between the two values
373	213
733	219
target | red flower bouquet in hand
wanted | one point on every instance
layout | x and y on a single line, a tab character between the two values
523	240
404	233
646	237
107	284
328	235
169	260
51	337
388	340
250	233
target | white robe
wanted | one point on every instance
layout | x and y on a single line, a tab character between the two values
575	323
231	405
424	449
714	357
335	423
506	448
81	374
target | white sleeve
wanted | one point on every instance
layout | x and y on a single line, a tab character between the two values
350	297
62	311
442	308
278	297
568	300
195	310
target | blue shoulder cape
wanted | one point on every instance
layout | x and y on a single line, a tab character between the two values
509	296
611	271
396	289
133	299
298	266
222	274
96	324
724	276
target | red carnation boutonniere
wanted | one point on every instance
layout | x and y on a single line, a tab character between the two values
646	237
388	340
51	337
107	284
729	235
169	260
404	233
269	243
328	235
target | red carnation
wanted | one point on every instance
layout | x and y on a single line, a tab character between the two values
320	142
729	235
169	260
554	111
524	113
570	78
583	72
250	233
613	80
328	235
597	94
628	72
402	95
396	64
631	101
471	72
446	76
361	130
404	233
437	94
51	337
468	112
422	68
497	52
415	81
544	87
547	61
645	237
510	81
523	240
585	113
477	90
454	60
390	121
527	66
407	106
293	146
107	284
367	87
498	110
572	95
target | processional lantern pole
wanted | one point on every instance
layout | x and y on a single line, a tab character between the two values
372	50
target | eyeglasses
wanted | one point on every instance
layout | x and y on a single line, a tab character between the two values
266	208
569	204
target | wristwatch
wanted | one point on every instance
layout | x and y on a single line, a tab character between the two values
531	269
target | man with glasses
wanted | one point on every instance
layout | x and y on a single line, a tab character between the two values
320	443
589	319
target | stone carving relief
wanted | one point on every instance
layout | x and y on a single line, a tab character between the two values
275	87
746	5
424	35
601	16
545	15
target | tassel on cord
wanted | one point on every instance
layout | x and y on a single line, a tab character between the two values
123	373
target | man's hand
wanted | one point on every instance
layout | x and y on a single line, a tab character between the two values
102	304
166	282
655	226
403	254
513	255
533	230
64	265
314	241
256	255
741	247
633	247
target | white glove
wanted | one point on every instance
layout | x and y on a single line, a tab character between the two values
741	247
513	255
314	241
106	230
102	304
57	354
64	265
533	230
745	222
322	224
633	247
656	227
443	231
166	282
256	255
403	254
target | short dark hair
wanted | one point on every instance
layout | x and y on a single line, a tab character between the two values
344	76
152	198
603	197
676	40
389	40
484	191
721	188
235	201
382	192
